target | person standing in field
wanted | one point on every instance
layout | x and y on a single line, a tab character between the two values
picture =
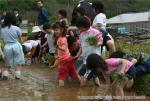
99	23
43	13
65	62
11	35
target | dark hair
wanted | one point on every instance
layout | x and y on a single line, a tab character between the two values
83	21
62	12
10	19
95	61
15	9
117	54
71	39
98	6
46	26
24	49
41	1
80	10
62	26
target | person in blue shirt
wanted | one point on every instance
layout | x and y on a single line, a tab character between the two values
43	13
11	35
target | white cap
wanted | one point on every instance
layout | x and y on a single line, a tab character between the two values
36	29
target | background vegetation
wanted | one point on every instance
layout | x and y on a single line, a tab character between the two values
113	7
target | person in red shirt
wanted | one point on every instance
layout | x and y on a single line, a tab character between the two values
65	61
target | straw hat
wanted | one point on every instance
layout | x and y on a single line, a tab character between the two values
36	29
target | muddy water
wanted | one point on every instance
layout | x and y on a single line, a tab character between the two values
39	83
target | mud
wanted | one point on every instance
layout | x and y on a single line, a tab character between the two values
39	83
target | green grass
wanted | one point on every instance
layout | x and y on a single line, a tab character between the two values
131	48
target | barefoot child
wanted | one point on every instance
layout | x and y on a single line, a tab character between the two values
50	39
74	46
66	66
108	67
29	48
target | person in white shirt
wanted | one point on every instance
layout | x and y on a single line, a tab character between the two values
99	23
29	48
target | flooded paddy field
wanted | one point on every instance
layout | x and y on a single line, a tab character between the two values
39	83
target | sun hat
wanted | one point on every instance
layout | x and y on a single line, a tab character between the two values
36	29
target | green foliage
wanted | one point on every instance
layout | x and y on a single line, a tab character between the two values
116	77
92	40
3	4
49	57
142	85
52	19
132	48
30	34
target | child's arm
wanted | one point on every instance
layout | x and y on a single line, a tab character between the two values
123	66
62	47
46	43
99	38
79	53
134	61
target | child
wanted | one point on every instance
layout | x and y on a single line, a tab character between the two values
108	67
83	23
11	34
62	17
73	31
99	23
29	48
37	33
74	46
66	64
50	39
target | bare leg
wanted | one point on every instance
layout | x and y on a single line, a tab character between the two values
120	93
96	81
129	84
82	81
61	83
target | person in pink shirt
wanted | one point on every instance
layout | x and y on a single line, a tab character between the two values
64	59
86	31
108	67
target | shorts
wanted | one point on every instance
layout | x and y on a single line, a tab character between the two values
13	54
88	74
67	68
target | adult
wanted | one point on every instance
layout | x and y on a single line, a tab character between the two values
87	10
18	17
43	13
99	23
13	52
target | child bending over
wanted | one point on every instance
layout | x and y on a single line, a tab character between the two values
108	67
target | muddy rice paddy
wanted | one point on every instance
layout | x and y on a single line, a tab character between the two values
39	83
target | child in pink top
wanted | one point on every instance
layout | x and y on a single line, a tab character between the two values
65	61
108	67
86	32
62	48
